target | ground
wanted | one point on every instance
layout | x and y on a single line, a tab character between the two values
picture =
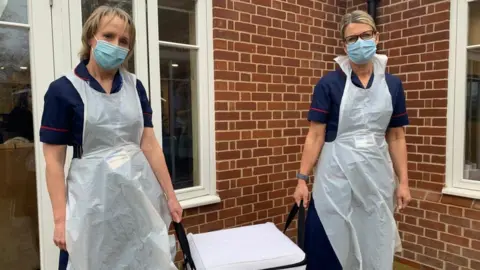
399	266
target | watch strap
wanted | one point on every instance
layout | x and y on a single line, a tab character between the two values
303	177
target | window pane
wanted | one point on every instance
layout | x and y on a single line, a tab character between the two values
19	246
176	21
472	132
474	23
14	11
88	6
178	84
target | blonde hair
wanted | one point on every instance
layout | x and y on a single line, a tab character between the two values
357	16
92	24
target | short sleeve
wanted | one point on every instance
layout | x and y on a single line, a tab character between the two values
399	115
57	116
146	108
320	105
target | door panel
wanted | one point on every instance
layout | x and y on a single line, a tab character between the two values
19	234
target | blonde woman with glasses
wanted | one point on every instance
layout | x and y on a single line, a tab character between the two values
357	139
118	201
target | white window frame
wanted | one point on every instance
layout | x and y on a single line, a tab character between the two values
455	183
42	74
204	143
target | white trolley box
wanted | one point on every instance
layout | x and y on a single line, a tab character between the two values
255	247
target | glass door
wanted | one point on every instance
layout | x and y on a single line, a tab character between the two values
21	83
19	247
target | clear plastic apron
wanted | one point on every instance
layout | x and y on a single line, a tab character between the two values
354	181
117	215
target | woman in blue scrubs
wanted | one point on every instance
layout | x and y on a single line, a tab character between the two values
357	139
115	211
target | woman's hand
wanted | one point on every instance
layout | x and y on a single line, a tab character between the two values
403	196
175	209
301	193
59	236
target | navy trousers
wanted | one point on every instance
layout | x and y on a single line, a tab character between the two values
320	254
63	260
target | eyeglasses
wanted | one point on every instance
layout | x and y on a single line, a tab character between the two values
364	36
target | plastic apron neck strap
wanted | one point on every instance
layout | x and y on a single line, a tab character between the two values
344	63
379	64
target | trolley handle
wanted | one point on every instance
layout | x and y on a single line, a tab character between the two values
301	223
182	238
300	209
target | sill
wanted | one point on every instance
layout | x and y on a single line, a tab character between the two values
200	201
461	192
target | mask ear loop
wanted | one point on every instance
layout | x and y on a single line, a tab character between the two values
91	47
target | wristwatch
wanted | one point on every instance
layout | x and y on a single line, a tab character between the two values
303	177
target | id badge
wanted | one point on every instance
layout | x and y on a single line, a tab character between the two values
364	141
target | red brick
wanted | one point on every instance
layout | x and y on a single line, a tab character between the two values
457	240
268	56
475	264
429	261
459	201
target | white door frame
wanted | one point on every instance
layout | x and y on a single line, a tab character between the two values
42	74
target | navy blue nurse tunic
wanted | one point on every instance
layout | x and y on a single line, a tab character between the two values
325	108
62	120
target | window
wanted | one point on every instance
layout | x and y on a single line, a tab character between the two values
181	82
463	154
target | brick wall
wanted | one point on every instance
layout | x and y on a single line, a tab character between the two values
268	55
439	232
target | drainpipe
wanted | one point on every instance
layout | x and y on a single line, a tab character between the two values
372	8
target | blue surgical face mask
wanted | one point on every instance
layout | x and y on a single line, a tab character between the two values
362	51
109	56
